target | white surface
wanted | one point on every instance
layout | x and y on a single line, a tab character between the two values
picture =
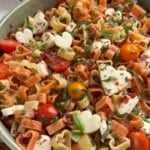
6	6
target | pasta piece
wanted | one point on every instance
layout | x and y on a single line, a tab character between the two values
118	142
84	103
138	11
62	141
21	52
136	122
32	80
31	105
104	104
62	82
57	126
31	135
42	98
95	54
145	107
31	124
48	85
22	93
121	130
6	57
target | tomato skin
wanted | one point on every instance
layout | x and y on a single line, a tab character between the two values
139	141
56	63
47	111
76	90
8	46
4	71
129	52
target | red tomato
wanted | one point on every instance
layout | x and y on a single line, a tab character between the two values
4	71
139	141
59	2
47	111
56	63
8	46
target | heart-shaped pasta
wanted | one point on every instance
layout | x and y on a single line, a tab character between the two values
62	141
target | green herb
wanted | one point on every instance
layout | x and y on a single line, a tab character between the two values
136	110
23	112
146	93
18	100
111	22
106	34
110	79
139	79
146	119
105	135
96	79
70	7
2	86
75	135
44	120
77	122
116	58
54	120
40	46
28	25
120	115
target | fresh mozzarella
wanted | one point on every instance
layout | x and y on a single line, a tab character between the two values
10	110
90	122
44	143
126	108
105	43
42	69
97	45
103	127
64	41
24	37
117	16
146	127
39	23
48	38
71	27
109	12
113	80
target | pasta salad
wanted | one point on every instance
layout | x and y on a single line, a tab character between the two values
77	77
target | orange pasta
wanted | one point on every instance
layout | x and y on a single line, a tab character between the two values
32	80
136	122
22	93
31	124
138	11
57	126
31	136
119	128
42	98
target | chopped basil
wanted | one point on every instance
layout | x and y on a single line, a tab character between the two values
106	34
70	7
146	120
105	135
40	46
119	115
77	122
2	86
116	58
110	79
111	22
75	135
18	100
23	112
136	110
54	120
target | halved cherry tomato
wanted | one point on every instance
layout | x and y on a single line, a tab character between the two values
56	63
129	52
76	90
139	141
8	46
46	112
4	71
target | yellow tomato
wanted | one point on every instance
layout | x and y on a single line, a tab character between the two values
129	52
76	90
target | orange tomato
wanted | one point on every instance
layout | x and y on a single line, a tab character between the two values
129	52
76	90
139	141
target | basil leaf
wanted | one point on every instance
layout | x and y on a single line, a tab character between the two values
75	135
119	115
136	110
146	120
2	86
106	34
116	58
104	136
110	79
77	122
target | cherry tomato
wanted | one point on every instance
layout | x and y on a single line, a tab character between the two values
139	141
129	52
47	110
56	63
8	46
76	90
59	2
4	71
